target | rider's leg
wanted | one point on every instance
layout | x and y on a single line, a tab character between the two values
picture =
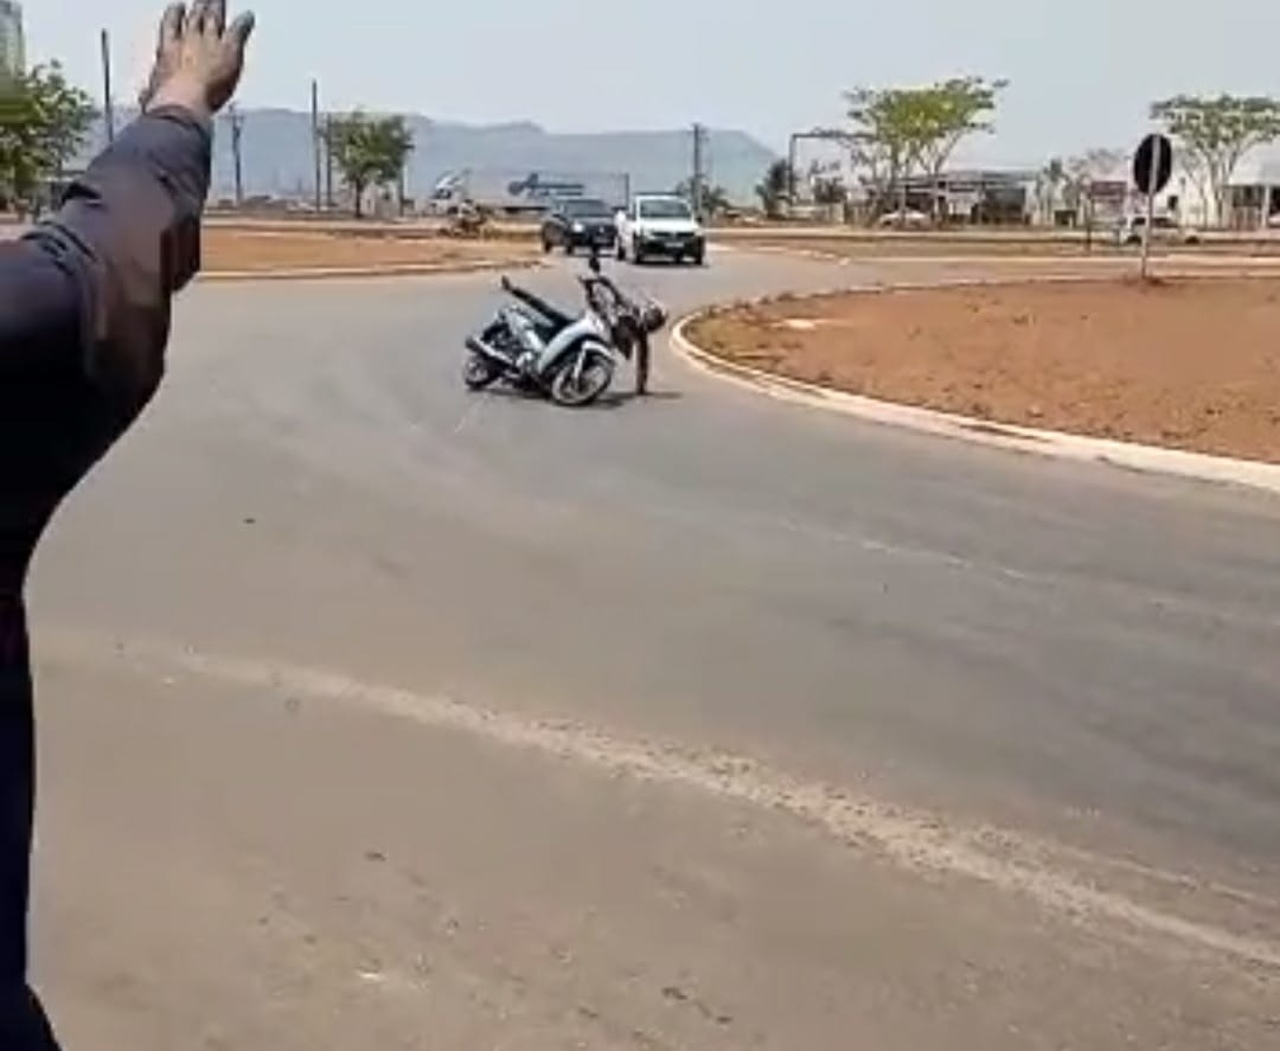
642	366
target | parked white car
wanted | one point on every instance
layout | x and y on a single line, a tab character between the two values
660	225
1164	230
910	218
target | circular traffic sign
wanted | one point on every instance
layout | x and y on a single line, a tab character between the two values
1153	163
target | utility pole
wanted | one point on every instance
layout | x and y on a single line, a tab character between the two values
792	143
315	138
328	161
696	184
236	120
108	105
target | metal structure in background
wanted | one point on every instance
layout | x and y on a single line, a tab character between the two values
108	102
812	135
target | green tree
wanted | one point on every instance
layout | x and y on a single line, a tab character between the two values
828	191
897	130
43	122
944	114
715	201
369	151
885	141
1079	174
1217	132
775	188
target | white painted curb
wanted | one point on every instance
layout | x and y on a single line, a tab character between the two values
1150	459
1184	261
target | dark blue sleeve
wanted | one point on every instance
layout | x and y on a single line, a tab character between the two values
84	315
86	294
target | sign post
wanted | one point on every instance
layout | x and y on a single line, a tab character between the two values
1152	170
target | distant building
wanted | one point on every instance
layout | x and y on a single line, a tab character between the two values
971	196
13	50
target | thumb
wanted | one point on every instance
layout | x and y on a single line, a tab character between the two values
240	30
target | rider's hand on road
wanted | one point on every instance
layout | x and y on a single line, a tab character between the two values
199	58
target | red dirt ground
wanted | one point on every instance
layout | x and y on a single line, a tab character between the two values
227	249
1188	363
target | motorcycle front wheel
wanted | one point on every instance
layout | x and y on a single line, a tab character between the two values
478	371
576	385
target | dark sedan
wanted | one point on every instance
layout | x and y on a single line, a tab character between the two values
579	223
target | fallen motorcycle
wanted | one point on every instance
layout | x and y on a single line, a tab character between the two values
535	347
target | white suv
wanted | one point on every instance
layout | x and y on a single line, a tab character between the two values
660	225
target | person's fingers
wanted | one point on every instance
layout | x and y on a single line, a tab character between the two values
197	16
171	25
215	23
240	30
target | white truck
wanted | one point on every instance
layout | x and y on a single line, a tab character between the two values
521	191
660	225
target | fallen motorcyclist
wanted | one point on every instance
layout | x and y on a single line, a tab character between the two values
629	329
630	321
551	315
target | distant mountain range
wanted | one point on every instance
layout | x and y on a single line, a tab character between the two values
277	155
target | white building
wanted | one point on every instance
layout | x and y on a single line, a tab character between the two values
13	51
1254	200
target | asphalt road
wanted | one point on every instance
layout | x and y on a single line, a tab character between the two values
375	714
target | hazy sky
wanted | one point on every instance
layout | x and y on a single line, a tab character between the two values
1081	72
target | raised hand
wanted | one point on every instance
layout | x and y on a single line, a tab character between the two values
199	58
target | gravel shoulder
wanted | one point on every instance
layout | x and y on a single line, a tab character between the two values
1186	363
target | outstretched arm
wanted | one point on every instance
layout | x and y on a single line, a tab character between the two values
85	297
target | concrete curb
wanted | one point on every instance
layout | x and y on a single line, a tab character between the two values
1208	260
1148	459
391	270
